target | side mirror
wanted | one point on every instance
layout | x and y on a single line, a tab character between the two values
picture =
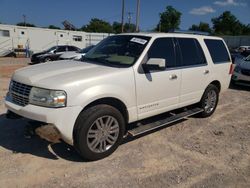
155	64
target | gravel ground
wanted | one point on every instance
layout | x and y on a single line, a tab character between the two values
211	152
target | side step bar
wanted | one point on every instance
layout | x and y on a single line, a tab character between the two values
157	124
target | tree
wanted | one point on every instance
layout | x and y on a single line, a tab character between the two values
117	27
204	27
98	26
53	27
25	24
246	29
169	19
227	24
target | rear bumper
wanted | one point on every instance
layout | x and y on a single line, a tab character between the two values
62	118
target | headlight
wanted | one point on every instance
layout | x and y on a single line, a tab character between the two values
47	98
237	69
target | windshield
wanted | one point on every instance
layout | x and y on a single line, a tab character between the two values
50	49
247	58
118	50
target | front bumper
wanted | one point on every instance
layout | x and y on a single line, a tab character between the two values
62	118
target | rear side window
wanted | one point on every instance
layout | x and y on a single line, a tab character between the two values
163	48
191	52
217	50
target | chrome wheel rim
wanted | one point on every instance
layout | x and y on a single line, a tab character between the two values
210	101
103	134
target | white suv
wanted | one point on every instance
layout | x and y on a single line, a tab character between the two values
125	78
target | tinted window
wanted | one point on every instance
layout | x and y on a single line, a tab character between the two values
72	48
191	52
163	48
217	50
61	49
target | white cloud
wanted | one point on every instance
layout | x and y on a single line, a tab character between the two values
229	3
202	10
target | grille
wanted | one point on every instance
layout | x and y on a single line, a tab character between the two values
245	72
19	93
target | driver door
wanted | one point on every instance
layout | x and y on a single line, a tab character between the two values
158	90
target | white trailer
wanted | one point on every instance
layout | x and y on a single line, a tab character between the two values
18	37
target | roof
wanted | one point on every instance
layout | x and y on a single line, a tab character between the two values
157	35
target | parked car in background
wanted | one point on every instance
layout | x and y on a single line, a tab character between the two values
75	55
242	48
241	74
236	57
52	53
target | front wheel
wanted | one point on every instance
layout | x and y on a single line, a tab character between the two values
209	101
47	59
99	131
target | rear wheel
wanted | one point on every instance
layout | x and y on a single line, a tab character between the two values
209	100
99	131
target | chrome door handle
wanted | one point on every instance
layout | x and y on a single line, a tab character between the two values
206	71
173	76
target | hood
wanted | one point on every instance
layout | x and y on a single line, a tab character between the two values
68	55
57	74
244	64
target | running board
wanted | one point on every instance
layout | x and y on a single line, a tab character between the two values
160	123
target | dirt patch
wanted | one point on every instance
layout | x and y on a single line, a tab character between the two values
210	152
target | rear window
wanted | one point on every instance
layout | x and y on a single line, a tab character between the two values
217	50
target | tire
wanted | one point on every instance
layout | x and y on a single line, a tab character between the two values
209	105
47	59
98	132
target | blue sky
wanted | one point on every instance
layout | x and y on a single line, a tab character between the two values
79	12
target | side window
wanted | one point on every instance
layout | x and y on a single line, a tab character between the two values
61	49
217	50
72	48
163	48
191	51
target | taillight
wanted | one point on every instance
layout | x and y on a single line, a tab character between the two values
231	70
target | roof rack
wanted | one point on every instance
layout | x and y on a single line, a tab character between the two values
189	32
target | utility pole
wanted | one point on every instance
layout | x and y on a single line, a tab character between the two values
24	19
137	16
129	20
123	9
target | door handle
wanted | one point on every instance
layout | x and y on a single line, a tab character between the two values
206	71
173	76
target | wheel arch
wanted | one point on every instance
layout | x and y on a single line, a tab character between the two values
217	84
112	101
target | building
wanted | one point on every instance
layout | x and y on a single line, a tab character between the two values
17	38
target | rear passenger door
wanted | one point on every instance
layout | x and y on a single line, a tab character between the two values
195	70
158	90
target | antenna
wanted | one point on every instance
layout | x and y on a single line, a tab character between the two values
24	20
